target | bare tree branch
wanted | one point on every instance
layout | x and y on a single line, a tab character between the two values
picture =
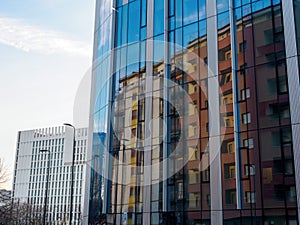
4	172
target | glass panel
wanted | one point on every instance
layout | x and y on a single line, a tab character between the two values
159	17
124	21
222	6
178	13
143	13
190	11
133	21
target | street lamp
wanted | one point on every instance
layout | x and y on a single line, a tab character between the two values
47	184
72	171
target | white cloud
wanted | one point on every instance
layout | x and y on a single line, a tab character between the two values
31	38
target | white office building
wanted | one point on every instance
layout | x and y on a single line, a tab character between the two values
35	149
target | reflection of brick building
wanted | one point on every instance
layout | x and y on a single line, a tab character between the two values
229	143
273	116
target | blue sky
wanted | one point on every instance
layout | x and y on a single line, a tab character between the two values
45	51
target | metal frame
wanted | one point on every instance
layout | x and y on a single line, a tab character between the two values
214	115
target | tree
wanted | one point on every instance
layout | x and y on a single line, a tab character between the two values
18	213
4	174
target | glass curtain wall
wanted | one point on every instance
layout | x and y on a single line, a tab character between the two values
128	110
266	164
101	89
188	188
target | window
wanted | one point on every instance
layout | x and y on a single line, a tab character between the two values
194	200
250	197
230	196
284	111
227	123
192	109
229	171
208	199
180	190
249	170
194	177
246	118
288	167
245	94
141	131
275	138
278	36
280	191
228	55
291	194
227	98
271	86
193	153
243	46
192	88
134	114
225	101
228	120
227	78
192	130
248	143
205	175
286	136
282	84
230	147
131	191
268	37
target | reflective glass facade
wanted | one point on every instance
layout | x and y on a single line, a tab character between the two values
194	114
297	11
297	19
99	110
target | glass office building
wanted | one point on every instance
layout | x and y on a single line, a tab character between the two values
195	112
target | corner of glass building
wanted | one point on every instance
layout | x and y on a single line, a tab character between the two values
195	112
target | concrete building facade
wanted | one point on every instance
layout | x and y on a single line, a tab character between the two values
30	173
